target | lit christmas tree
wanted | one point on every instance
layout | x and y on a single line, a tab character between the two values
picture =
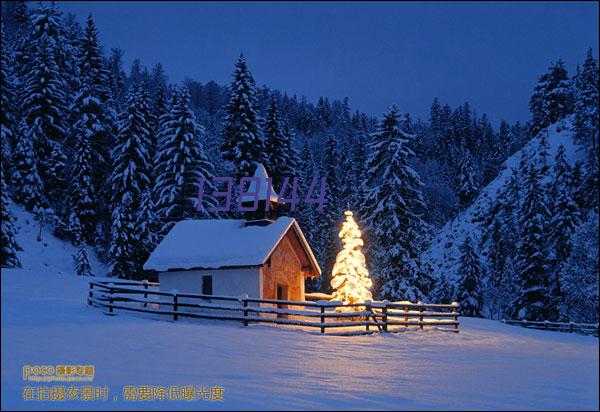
350	278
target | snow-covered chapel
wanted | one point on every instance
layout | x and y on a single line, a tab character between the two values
260	257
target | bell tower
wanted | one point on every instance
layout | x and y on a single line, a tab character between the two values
263	214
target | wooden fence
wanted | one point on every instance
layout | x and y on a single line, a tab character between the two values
583	328
359	318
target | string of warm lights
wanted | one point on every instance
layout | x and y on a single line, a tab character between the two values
350	277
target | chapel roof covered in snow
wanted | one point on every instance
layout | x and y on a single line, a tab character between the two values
214	244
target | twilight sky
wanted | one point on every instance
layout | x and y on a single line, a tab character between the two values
376	53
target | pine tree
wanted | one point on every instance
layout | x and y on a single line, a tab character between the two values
305	213
444	292
534	301
91	63
86	130
9	258
81	260
28	185
468	186
117	78
43	104
579	274
469	292
147	228
566	214
350	277
131	162
552	98
123	239
586	105
280	154
8	103
498	245
181	163
47	28
328	217
242	142
393	207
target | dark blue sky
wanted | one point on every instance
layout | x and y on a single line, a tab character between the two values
375	53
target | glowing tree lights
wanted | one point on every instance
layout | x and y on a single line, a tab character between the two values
350	278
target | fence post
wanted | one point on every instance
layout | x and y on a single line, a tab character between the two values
145	283
110	300
91	294
406	317
245	305
174	305
421	312
367	309
384	315
454	317
322	318
571	327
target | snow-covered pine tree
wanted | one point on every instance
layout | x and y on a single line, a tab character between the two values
552	98
280	153
328	218
84	193
578	184
28	187
81	261
123	239
586	104
91	63
44	96
444	291
8	102
306	214
498	245
533	264
56	180
43	102
48	27
393	207
468	183
242	141
131	162
579	274
566	214
9	258
469	293
289	134
565	218
117	78
544	152
147	228
350	278
359	142
181	163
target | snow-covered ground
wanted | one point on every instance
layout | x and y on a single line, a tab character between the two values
487	365
443	254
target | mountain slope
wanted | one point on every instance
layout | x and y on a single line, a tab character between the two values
49	254
443	252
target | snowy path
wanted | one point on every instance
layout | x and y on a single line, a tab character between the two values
487	366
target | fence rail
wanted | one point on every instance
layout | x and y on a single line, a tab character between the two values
583	328
359	318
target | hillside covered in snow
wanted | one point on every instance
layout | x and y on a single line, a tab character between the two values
531	229
443	253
